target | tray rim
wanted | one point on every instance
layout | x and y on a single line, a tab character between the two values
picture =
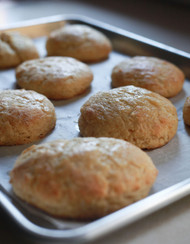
91	21
100	227
126	215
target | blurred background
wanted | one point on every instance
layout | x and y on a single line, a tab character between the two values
166	21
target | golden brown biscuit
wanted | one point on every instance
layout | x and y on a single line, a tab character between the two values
55	77
78	41
83	178
25	116
186	111
15	48
154	74
134	114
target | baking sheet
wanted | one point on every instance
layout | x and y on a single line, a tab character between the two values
172	160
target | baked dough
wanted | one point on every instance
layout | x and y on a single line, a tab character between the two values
78	41
134	114
25	116
15	48
152	73
83	178
186	111
55	77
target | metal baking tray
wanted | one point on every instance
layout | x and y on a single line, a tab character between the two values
172	160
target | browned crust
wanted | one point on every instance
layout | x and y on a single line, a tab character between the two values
79	41
83	178
15	49
55	77
152	73
186	111
134	114
25	116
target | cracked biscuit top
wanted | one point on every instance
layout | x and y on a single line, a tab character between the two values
25	116
134	114
15	48
55	77
83	178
